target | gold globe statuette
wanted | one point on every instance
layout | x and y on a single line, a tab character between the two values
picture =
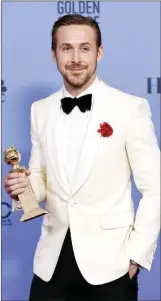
27	199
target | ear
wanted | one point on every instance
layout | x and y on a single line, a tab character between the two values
53	55
100	53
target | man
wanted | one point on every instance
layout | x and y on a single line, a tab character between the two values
87	138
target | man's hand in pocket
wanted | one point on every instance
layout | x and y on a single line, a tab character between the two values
133	268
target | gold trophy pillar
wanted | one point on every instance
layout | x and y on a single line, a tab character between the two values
27	199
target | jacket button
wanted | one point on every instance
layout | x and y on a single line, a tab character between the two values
72	203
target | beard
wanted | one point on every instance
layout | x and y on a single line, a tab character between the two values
77	74
77	80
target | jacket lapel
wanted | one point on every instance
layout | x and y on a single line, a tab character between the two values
92	139
56	144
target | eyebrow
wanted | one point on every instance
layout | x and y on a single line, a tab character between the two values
71	45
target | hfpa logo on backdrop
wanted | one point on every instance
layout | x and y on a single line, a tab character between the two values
6	213
3	90
153	85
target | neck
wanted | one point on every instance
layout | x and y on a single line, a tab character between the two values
74	91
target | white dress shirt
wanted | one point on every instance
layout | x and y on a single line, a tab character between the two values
75	126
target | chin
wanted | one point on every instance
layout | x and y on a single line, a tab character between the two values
77	82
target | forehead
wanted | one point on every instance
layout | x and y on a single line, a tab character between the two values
76	34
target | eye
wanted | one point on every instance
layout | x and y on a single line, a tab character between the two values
66	48
85	49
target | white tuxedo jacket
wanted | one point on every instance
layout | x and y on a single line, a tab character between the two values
99	209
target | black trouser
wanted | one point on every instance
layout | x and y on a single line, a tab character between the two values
67	283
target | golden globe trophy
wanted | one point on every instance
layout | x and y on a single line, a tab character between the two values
27	199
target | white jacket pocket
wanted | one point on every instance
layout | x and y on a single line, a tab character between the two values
114	221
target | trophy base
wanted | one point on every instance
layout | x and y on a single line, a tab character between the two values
33	214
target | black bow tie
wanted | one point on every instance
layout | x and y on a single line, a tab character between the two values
83	102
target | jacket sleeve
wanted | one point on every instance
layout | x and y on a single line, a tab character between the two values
144	158
36	166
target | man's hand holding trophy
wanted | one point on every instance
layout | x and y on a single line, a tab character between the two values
18	186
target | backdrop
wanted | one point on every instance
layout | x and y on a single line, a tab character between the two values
131	63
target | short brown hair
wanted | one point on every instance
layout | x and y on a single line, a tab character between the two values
75	19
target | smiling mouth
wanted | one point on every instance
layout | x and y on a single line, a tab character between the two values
77	69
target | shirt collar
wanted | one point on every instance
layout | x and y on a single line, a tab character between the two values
90	90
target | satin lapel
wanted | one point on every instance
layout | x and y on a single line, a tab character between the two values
91	140
56	144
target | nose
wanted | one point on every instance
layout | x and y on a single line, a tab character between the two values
76	56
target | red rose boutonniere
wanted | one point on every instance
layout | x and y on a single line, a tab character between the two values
105	129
